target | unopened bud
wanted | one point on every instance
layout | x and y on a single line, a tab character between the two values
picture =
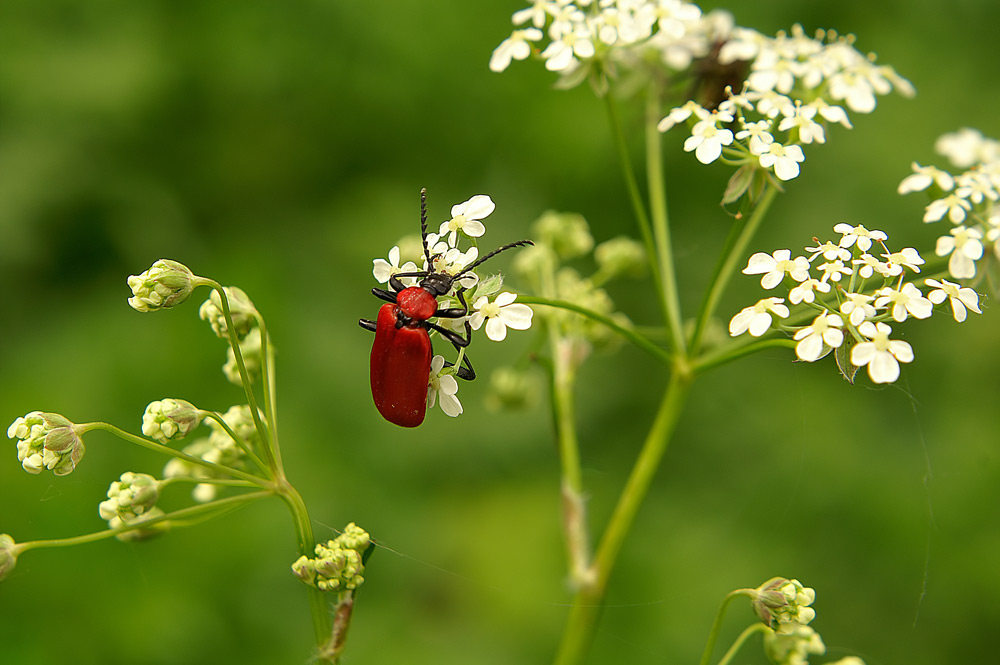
166	284
240	307
47	441
621	256
170	419
565	232
780	602
8	555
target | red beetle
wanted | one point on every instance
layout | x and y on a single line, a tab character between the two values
401	354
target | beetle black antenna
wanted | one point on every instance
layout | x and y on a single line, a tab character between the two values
519	243
423	225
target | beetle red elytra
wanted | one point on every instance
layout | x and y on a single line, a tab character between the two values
402	351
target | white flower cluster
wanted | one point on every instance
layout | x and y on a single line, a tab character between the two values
487	305
853	288
218	448
969	200
795	86
577	32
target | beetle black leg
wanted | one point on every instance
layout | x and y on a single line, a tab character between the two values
367	325
456	339
455	312
382	294
465	371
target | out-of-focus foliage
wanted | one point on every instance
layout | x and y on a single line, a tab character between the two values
280	147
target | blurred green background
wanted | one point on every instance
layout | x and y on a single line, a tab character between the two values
280	147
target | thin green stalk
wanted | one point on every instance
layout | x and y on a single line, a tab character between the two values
270	390
738	644
234	342
167	450
725	270
627	333
638	207
238	440
183	513
730	352
661	224
306	544
589	599
713	634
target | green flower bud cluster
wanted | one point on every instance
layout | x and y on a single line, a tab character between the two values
8	555
241	309
250	348
132	500
166	284
793	645
218	448
47	441
338	564
170	419
782	603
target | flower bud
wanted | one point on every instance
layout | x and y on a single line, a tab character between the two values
338	564
535	262
142	533
781	602
8	555
792	647
512	389
134	494
170	419
47	441
621	256
166	284
240	307
250	349
565	232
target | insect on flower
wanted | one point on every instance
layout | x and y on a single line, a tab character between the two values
402	352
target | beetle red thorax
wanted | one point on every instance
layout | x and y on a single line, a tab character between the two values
417	303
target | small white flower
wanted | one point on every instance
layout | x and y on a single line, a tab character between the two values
682	113
465	217
964	148
758	133
908	300
870	265
831	113
775	266
881	354
382	270
784	159
925	176
443	388
858	235
499	315
706	141
816	340
803	120
965	247
835	270
857	307
562	53
830	252
906	258
960	297
515	47
953	205
757	318
806	291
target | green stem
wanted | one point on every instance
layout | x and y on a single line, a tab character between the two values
661	223
306	545
270	389
725	270
713	635
167	450
183	513
589	599
638	207
238	440
731	352
744	636
627	333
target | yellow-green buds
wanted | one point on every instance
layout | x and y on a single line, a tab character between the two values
250	350
781	602
338	565
132	500
8	555
240	307
47	441
621	256
793	646
166	284
170	419
565	232
512	389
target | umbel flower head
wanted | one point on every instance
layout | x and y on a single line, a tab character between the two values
241	309
132	500
47	441
338	564
780	602
166	284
